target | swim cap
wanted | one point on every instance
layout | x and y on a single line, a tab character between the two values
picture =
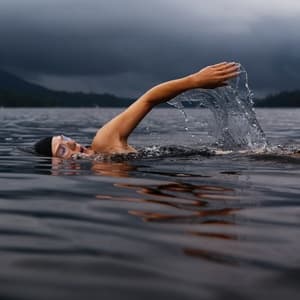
44	146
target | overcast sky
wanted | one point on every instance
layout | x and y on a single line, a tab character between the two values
126	46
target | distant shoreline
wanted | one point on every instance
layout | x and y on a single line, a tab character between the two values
16	92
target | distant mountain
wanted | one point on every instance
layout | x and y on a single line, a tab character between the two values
282	99
16	92
10	82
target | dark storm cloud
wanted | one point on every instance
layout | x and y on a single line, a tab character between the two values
118	41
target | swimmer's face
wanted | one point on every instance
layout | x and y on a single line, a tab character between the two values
65	147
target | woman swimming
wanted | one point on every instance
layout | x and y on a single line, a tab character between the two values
112	137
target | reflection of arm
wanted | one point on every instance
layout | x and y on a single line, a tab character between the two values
114	134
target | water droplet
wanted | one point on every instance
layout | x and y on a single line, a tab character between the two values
235	124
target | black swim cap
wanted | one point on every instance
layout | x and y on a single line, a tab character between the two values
44	146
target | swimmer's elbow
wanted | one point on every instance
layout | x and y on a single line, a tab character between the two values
167	90
152	98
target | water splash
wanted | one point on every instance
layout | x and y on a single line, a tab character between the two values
152	152
235	125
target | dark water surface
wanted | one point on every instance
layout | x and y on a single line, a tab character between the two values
169	227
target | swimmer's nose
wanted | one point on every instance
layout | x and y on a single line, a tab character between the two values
72	145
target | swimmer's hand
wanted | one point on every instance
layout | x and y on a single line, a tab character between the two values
214	76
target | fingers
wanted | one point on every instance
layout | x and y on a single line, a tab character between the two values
220	64
229	69
230	75
224	64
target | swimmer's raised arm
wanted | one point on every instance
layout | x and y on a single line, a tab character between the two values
112	137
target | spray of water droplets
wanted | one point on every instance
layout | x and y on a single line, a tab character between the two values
234	125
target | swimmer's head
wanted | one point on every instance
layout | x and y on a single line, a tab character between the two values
59	146
44	146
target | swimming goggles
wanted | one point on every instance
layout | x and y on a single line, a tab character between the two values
63	150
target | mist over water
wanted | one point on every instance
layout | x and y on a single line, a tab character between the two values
234	125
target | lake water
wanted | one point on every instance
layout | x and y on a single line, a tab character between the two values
180	225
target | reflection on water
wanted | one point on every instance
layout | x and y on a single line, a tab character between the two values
215	207
190	204
202	205
114	169
104	168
